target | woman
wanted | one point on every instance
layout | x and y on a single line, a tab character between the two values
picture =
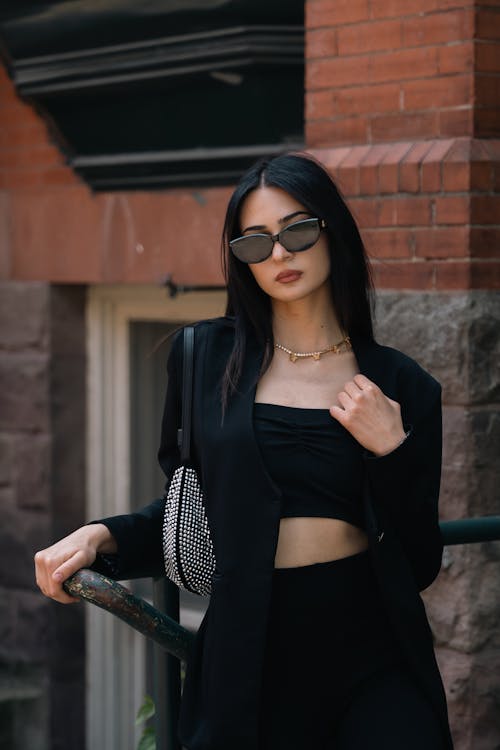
319	453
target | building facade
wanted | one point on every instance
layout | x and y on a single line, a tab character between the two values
401	101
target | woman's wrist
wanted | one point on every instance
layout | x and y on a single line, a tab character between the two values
401	440
102	538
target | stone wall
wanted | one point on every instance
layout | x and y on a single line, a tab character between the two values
456	337
42	495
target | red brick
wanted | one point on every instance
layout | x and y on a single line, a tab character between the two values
409	211
452	209
21	179
456	58
404	125
17	115
452	275
485	275
438	28
487	90
388	243
333	132
365	211
403	64
439	242
319	104
388	171
456	122
18	137
485	209
431	165
403	275
414	211
456	176
39	156
488	23
59	176
332	73
374	99
325	13
321	43
368	177
369	37
394	8
332	157
487	122
488	57
349	169
409	168
485	242
481	175
438	92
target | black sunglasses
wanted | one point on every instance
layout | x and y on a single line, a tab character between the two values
296	237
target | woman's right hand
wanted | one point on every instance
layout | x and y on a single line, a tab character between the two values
58	562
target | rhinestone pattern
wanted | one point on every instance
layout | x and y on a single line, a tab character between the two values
187	545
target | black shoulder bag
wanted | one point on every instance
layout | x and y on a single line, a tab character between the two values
187	545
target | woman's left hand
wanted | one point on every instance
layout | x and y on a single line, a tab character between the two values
372	418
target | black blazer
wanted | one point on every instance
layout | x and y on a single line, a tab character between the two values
220	700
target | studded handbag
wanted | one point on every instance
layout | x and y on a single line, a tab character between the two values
187	544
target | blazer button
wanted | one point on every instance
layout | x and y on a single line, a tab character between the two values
380	537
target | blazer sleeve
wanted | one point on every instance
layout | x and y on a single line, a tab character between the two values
405	485
139	535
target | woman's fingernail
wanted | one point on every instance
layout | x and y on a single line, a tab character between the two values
57	576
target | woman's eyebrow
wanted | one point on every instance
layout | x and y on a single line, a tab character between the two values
280	221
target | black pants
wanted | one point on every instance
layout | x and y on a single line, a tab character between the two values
333	675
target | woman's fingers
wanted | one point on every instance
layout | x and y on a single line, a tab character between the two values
372	418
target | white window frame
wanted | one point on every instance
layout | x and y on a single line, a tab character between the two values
115	658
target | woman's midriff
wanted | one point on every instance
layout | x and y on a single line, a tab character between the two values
304	541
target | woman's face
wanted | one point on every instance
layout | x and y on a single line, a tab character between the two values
285	276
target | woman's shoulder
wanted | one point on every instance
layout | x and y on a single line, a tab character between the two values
217	329
398	370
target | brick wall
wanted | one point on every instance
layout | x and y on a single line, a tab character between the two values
402	102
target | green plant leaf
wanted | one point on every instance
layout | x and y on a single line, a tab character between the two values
146	711
148	740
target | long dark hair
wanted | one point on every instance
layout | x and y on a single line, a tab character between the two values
350	277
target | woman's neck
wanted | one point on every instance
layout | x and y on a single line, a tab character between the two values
306	324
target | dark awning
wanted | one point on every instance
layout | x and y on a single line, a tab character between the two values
160	93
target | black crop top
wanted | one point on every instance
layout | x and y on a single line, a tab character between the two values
314	460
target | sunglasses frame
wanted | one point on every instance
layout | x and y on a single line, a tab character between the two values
277	237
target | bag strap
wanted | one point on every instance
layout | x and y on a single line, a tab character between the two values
184	433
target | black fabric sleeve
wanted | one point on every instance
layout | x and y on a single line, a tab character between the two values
405	487
139	535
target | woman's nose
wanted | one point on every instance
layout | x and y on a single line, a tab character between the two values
280	252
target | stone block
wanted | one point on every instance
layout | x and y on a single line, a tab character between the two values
457	458
455	336
67	319
24	392
6	459
24	308
31	470
33	627
431	328
22	533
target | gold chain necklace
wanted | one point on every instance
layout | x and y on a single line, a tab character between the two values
335	348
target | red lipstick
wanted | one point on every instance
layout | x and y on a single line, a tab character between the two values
287	276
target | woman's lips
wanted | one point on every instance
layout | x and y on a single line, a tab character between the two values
286	276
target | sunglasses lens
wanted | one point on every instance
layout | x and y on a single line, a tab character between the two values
253	248
301	235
